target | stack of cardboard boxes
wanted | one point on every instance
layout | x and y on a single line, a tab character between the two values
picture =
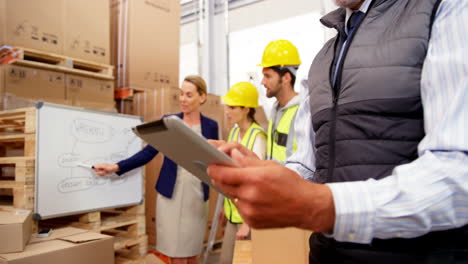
145	43
145	53
62	36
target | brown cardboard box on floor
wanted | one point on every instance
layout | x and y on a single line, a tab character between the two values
87	30
147	50
89	90
66	245
32	24
280	245
15	229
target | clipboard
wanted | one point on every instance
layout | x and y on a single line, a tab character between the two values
176	140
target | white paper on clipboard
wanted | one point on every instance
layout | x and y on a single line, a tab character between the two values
172	137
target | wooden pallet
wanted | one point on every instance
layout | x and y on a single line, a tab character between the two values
17	157
17	182
51	61
127	251
126	225
18	132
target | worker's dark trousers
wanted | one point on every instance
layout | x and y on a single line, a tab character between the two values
437	247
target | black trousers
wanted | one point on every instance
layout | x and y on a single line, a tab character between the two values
437	247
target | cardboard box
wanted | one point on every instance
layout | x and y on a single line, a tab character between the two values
78	29
22	86
15	229
66	245
214	109
89	90
87	30
152	104
147	37
33	83
280	245
32	24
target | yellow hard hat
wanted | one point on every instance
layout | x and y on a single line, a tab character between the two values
280	53
241	94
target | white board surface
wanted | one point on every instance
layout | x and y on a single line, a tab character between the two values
68	137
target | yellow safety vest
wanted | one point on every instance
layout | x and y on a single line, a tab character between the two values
248	141
279	145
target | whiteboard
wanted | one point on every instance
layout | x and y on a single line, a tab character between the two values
69	136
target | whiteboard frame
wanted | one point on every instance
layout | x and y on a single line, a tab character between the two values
39	105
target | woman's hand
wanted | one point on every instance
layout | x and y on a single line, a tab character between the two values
243	232
103	169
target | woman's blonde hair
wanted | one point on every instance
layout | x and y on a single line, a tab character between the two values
198	82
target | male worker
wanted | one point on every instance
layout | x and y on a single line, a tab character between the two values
280	62
388	102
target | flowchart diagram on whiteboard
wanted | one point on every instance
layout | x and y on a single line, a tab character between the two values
69	141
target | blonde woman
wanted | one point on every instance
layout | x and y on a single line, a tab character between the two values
181	211
241	100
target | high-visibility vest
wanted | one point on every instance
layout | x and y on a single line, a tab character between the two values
230	210
280	146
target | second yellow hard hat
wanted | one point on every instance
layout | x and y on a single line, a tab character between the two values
242	94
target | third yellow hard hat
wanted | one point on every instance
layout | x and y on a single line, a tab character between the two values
242	94
280	53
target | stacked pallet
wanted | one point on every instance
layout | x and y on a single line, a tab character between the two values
17	149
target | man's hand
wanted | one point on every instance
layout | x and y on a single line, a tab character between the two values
103	169
269	195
